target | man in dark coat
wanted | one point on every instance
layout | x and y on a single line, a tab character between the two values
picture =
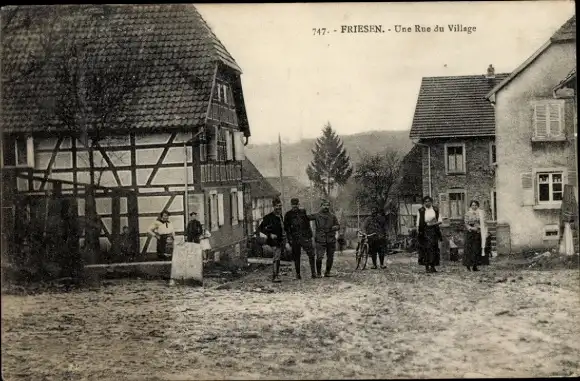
325	238
194	229
272	226
297	227
376	224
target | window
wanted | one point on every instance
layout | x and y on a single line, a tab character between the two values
455	158
224	94
456	204
492	154
18	151
548	120
551	232
222	153
550	187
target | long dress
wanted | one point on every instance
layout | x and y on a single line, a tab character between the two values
473	239
428	239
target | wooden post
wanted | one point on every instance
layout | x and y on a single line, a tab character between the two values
116	221
133	216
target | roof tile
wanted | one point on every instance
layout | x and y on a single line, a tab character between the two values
454	106
181	45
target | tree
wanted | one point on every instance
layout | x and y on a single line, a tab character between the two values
375	177
75	55
330	166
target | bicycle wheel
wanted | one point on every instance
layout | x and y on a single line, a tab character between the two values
364	256
358	256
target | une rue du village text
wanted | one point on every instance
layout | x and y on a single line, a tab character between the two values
398	28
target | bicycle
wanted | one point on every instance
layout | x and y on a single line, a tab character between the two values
362	250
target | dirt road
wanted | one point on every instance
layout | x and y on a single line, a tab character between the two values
393	323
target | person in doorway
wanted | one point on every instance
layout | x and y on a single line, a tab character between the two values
429	235
162	229
194	230
376	225
299	233
272	226
475	237
325	237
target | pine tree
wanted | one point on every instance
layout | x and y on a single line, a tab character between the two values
330	166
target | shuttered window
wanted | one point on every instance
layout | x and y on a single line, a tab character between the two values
240	205
229	145
239	146
548	120
456	204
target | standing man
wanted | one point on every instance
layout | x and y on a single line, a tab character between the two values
376	223
194	230
325	238
273	227
297	227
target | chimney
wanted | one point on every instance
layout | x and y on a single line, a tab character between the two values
490	72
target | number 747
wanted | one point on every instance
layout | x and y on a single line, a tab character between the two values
319	31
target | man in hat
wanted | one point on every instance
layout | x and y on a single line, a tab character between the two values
194	230
325	237
297	227
272	226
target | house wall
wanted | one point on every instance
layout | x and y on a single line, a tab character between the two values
153	165
516	154
478	179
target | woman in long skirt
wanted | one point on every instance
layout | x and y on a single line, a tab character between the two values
429	235
475	237
163	230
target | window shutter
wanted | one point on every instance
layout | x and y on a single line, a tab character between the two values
220	205
239	146
528	190
219	92
30	152
225	93
240	205
444	205
541	120
555	120
229	146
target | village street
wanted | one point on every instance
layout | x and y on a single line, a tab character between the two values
394	323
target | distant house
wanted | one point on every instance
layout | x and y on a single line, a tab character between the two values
455	126
535	145
178	145
409	189
259	194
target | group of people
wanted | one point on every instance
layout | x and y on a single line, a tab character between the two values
293	231
476	250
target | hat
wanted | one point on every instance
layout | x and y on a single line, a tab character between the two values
193	213
294	201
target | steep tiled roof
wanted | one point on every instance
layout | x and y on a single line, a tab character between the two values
566	33
180	49
259	186
454	106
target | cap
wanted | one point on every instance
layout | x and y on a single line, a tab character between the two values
294	201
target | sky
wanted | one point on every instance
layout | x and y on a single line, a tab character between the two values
294	81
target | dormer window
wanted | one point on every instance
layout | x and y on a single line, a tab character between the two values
224	94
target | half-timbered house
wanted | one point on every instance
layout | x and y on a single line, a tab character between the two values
177	146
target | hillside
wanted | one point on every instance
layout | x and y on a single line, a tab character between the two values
298	155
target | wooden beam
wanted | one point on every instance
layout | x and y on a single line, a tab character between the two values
133	160
73	140
161	158
109	163
48	170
